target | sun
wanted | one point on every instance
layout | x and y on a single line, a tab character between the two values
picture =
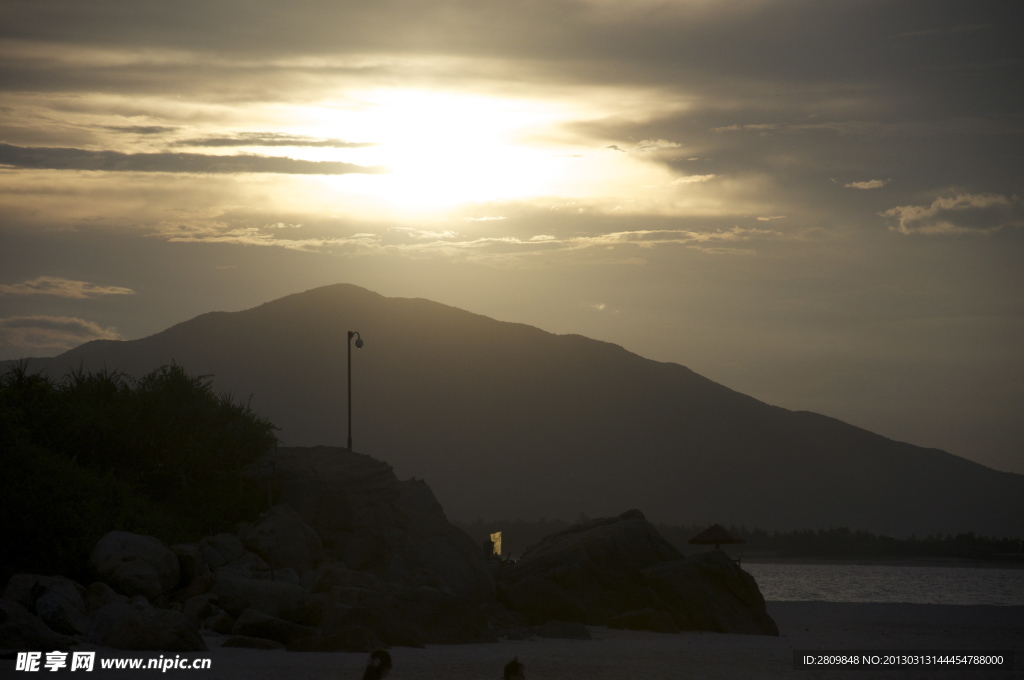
443	149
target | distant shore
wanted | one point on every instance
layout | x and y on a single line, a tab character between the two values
995	563
624	655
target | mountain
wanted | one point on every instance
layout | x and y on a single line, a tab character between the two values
507	420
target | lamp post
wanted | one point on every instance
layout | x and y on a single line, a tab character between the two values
359	344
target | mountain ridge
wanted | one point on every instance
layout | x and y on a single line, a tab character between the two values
504	419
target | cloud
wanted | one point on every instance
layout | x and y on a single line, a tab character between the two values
52	285
56	158
960	28
690	179
917	128
52	332
271	139
416	242
960	214
869	184
140	129
649	145
220	232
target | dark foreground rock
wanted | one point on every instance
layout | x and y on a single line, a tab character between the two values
139	625
371	522
619	571
20	629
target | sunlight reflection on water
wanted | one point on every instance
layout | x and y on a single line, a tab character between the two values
889	583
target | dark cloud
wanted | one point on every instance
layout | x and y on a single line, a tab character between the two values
141	129
53	285
52	158
272	139
51	332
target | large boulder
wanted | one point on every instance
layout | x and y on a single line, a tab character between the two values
283	539
221	549
139	626
135	565
57	600
258	625
710	592
373	523
235	595
620	571
20	630
61	607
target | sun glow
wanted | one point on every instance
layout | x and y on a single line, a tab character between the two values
443	149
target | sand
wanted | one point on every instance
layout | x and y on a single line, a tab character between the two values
614	654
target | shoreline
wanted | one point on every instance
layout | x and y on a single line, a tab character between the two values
894	562
625	655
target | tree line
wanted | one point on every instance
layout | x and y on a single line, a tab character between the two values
92	452
833	543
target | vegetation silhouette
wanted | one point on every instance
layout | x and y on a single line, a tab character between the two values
95	452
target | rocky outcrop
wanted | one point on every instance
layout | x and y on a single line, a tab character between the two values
235	595
373	523
134	564
59	602
709	591
350	558
20	629
619	571
139	625
283	540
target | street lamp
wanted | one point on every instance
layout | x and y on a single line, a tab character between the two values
359	345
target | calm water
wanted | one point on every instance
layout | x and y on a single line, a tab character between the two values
889	583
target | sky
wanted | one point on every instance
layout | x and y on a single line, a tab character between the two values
820	204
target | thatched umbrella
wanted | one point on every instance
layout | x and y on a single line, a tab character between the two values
715	535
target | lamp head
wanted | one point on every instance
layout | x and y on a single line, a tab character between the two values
359	343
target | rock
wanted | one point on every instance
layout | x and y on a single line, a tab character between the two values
373	523
330	576
199	608
255	624
540	600
99	595
251	643
235	595
20	630
220	622
58	601
134	564
710	592
61	606
311	610
564	630
620	569
283	539
438	617
247	565
221	549
286	575
190	561
201	585
140	626
22	588
656	620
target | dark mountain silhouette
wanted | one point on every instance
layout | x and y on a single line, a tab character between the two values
507	420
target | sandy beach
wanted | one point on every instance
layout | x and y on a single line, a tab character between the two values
616	654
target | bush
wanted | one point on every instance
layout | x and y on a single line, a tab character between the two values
91	453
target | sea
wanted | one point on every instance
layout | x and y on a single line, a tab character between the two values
890	583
